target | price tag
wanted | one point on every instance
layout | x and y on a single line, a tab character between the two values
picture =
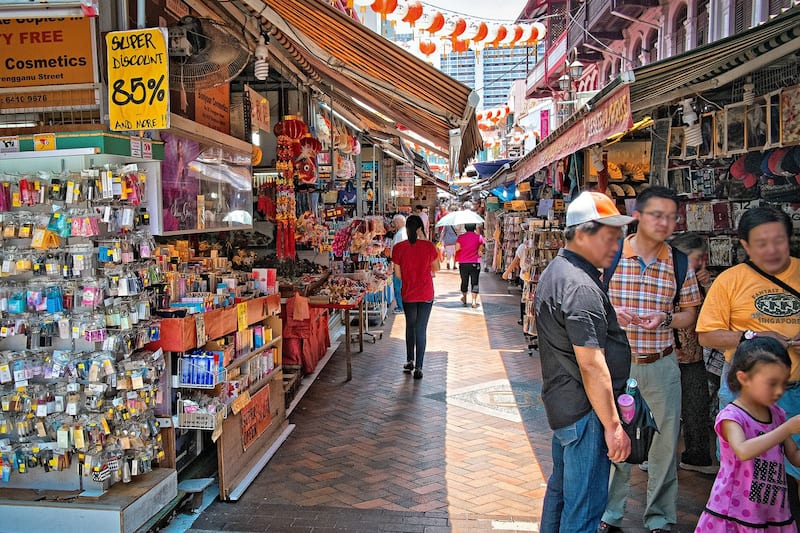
240	402
136	147
241	315
138	80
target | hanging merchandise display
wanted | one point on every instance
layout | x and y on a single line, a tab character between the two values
79	284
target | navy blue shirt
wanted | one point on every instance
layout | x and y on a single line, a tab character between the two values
572	308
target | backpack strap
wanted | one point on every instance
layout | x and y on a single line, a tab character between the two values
680	263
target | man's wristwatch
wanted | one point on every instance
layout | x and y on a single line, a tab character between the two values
667	321
748	335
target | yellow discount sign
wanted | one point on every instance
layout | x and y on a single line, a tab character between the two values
138	79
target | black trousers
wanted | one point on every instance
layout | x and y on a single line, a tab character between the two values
470	272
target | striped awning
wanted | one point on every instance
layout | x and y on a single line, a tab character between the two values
347	60
716	64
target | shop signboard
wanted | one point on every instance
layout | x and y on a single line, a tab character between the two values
43	57
138	79
610	117
259	110
255	417
405	181
212	108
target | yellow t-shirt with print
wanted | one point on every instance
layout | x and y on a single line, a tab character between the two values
741	299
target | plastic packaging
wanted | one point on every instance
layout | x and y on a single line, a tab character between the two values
627	407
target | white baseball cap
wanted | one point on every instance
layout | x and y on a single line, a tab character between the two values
595	206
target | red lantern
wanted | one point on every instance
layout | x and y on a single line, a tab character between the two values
436	24
459	46
310	145
479	116
414	13
427	47
461	26
518	31
501	34
291	126
384	7
483	31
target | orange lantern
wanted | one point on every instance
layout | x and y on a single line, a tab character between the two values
460	46
483	30
414	13
479	116
460	27
384	7
491	33
501	34
538	33
431	22
427	47
516	35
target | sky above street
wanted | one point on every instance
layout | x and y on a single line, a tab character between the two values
487	10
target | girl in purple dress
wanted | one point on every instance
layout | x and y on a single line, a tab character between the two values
749	494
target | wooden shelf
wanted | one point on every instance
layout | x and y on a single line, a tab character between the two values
241	360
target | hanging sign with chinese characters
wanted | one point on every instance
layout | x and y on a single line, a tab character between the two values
138	79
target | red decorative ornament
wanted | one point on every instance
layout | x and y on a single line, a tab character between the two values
289	131
518	31
483	31
414	13
427	47
459	46
437	23
384	7
461	26
501	34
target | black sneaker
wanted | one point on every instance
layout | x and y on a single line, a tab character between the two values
417	373
408	367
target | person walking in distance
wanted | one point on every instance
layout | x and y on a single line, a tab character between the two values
400	234
415	263
759	297
651	302
469	249
585	360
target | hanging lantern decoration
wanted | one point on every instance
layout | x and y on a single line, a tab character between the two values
539	32
491	33
449	26
502	31
478	116
460	46
414	13
400	11
527	31
306	161
431	22
427	47
514	35
483	31
470	30
384	8
289	131
460	27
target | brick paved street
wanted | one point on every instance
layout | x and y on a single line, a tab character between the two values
465	449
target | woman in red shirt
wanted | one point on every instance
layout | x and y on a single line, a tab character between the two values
415	261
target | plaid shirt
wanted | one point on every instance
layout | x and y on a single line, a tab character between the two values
646	289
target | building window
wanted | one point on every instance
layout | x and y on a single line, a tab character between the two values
652	47
636	54
701	23
679	30
776	6
743	13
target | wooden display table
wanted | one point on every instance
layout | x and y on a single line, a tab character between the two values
346	308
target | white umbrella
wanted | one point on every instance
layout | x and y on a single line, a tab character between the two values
459	218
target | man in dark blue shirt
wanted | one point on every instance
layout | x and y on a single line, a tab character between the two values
586	361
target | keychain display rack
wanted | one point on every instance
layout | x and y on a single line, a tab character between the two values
78	387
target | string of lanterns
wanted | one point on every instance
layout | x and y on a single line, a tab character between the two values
458	34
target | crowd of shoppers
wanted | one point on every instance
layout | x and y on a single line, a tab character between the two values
647	316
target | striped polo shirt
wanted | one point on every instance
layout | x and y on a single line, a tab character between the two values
644	289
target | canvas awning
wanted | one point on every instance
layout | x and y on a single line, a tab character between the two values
395	90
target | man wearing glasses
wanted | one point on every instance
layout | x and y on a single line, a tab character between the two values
642	288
